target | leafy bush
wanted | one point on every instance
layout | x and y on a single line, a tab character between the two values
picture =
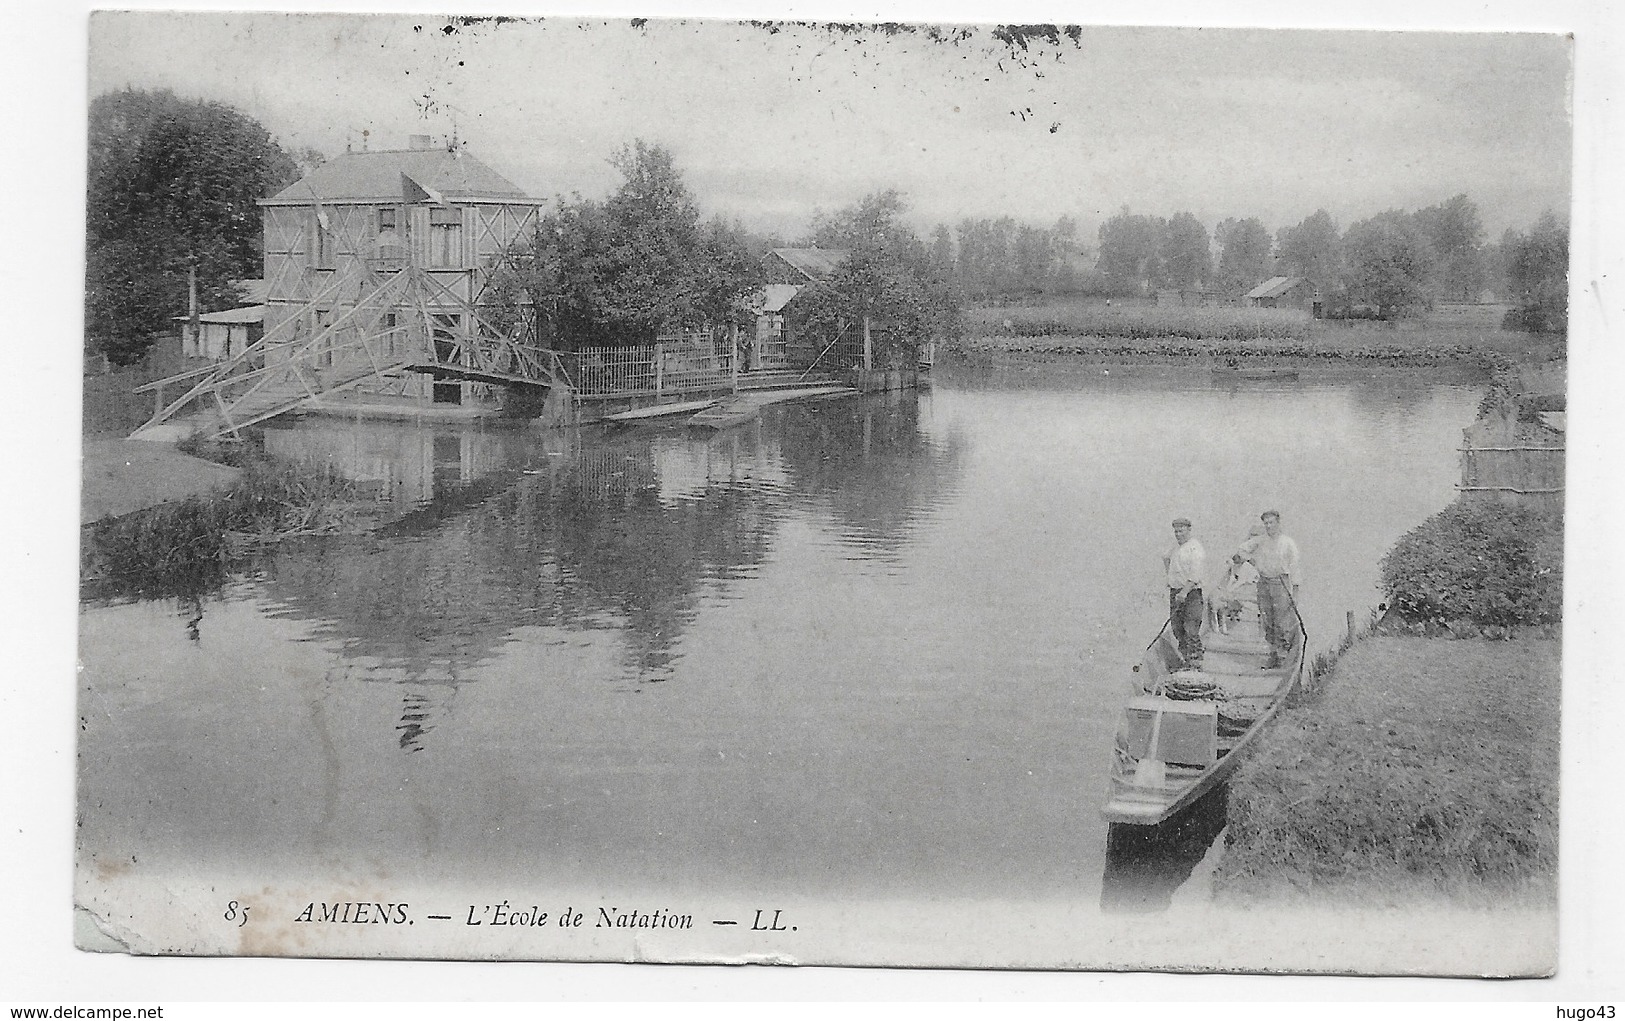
1486	564
1536	319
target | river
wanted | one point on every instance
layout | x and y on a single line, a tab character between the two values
860	648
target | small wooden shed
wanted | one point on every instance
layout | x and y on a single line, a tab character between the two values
1286	292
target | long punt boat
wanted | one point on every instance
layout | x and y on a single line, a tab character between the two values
1183	731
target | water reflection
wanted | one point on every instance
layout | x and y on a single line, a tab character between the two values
191	607
872	464
1146	864
406	464
627	532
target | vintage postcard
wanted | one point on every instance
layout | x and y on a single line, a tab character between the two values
932	495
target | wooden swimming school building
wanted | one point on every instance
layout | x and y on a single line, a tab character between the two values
378	293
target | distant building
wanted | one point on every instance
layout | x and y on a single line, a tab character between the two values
360	215
227	333
787	271
802	266
1286	292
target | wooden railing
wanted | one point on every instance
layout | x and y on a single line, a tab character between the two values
1519	473
1504	461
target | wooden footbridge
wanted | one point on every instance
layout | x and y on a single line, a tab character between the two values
369	327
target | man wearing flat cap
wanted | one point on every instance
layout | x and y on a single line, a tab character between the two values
1184	564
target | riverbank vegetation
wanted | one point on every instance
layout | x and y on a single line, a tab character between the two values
1180	333
1312	350
1484	567
1093	319
186	547
1422	770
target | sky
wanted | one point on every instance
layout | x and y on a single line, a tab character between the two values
770	127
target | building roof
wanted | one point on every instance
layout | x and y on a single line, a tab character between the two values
231	316
813	263
1274	287
376	177
776	296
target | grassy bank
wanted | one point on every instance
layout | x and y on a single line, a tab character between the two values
1423	769
186	547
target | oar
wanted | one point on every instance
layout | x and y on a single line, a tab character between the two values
1151	771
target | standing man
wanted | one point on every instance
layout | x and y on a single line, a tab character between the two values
1183	564
1276	557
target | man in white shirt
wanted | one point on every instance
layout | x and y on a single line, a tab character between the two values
1184	564
1276	557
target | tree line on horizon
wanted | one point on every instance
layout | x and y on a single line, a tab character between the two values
174	183
1386	266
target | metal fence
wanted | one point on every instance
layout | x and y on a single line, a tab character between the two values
675	364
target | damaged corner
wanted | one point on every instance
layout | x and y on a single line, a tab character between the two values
93	934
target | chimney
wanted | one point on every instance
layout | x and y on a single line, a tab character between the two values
420	142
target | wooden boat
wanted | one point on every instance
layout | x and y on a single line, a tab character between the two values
1282	372
1184	731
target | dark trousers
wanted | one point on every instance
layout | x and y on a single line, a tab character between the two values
1275	606
1186	617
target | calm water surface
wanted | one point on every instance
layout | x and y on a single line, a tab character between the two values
871	647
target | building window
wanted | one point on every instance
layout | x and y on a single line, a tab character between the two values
326	247
386	218
446	238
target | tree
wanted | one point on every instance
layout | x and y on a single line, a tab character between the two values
1538	271
1186	258
1390	264
1065	275
1034	255
1003	257
1130	246
1457	237
619	271
886	277
1312	249
1244	254
173	186
942	251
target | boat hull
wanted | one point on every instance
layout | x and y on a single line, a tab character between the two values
1244	699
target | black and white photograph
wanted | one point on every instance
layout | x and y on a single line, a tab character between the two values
855	493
